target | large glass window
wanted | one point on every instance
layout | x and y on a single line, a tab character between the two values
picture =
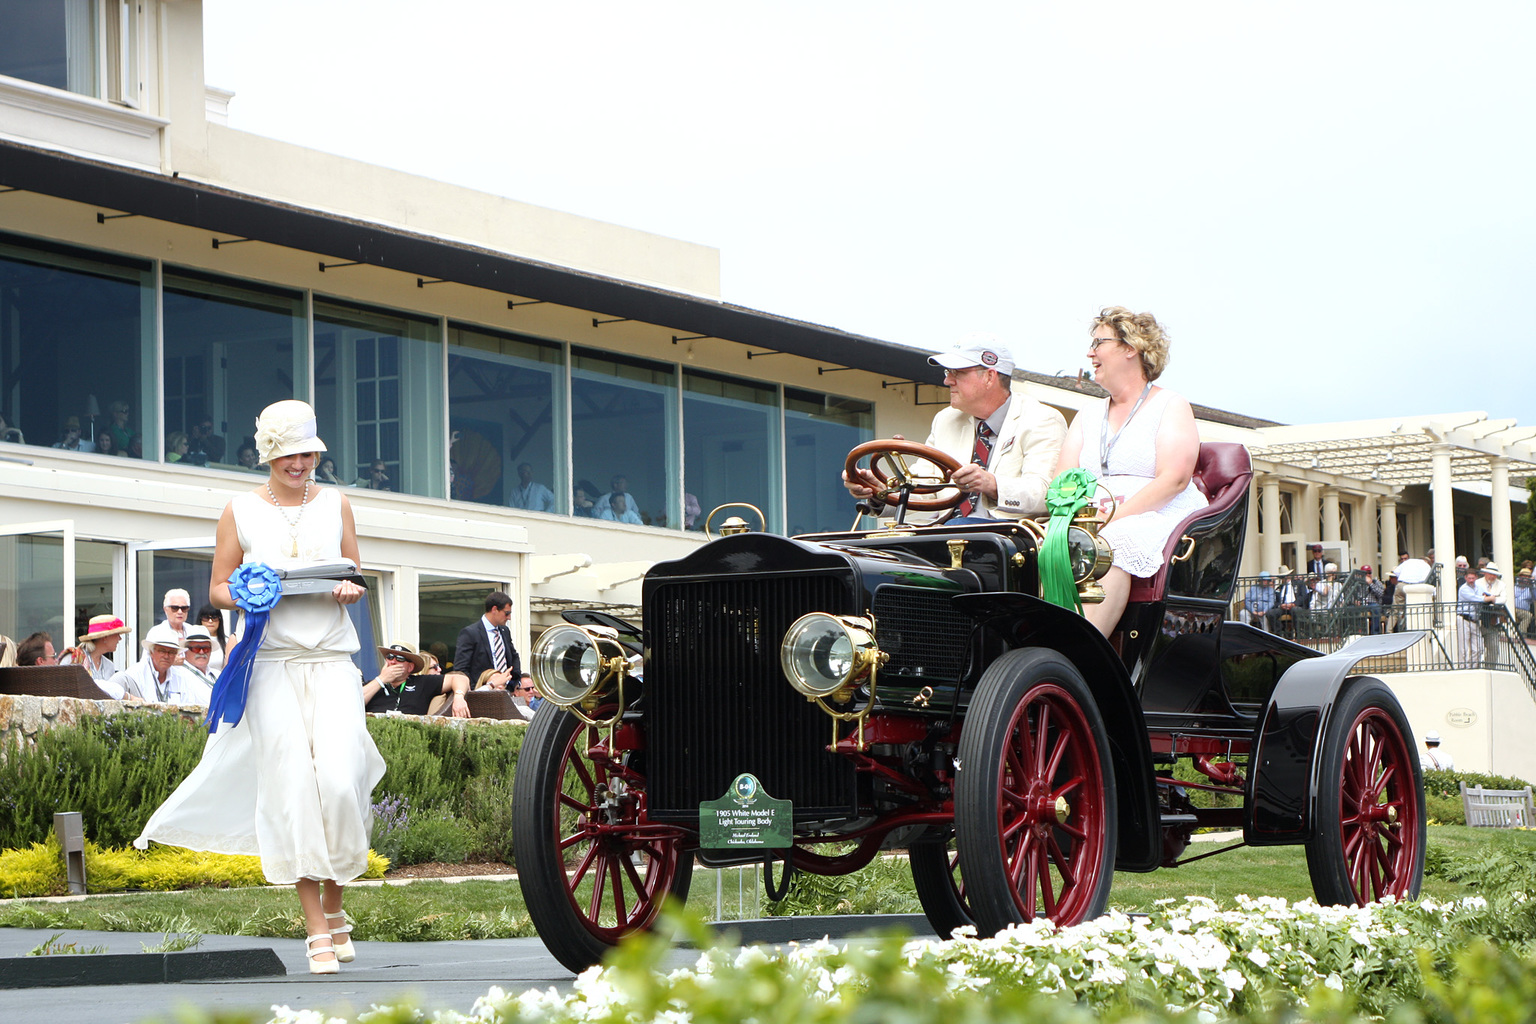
230	351
819	431
379	397
76	348
730	447
75	45
624	438
506	420
445	605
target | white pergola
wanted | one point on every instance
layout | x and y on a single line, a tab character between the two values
1438	451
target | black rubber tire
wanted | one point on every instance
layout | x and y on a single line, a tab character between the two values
552	801
1369	837
936	877
1010	798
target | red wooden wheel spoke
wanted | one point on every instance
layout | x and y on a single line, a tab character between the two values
599	885
620	910
579	806
1063	865
583	866
1063	741
1047	889
1043	729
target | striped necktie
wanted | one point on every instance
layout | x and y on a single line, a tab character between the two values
981	454
498	649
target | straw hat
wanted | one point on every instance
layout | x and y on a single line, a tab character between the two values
102	626
407	651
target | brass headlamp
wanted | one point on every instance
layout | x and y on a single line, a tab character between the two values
827	657
575	666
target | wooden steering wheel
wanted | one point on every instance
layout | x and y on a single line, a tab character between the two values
889	474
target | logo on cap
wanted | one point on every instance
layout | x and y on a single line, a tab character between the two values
988	357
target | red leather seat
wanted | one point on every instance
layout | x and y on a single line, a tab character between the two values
1223	472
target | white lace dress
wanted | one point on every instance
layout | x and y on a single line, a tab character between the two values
1138	540
292	781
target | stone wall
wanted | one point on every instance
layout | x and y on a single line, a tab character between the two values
23	717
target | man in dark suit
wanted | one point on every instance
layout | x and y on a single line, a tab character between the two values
487	644
1316	563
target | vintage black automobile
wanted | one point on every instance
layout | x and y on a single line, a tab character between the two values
909	688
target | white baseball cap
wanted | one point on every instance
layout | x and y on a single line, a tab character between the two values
976	350
162	635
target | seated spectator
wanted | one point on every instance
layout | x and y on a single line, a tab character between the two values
617	484
104	443
121	432
135	449
7	652
439	650
490	679
1372	598
1291	598
584	499
36	649
325	471
1326	590
619	510
403	687
204	446
375	477
152	678
529	494
212	620
10	433
177	445
69	437
1259	600
102	635
197	655
527	694
247	458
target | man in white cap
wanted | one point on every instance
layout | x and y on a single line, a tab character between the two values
1433	757
1259	601
1006	443
155	677
197	654
1490	591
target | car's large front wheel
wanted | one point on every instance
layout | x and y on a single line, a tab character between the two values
1368	840
1034	799
591	866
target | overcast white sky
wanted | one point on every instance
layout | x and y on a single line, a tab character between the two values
1330	206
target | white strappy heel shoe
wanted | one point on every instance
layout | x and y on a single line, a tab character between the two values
341	938
319	966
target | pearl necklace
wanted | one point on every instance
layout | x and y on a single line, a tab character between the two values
293	524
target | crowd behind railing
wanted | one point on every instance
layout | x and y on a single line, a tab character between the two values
1324	610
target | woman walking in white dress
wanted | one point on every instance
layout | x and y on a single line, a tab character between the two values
1142	444
291	780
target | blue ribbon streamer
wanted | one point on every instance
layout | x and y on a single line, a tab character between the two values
255	588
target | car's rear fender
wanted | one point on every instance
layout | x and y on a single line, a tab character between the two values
1026	621
1283	770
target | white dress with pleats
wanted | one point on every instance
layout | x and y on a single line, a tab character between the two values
1138	540
292	782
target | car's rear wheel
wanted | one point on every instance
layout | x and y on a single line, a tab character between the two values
1034	801
936	877
591	867
1368	840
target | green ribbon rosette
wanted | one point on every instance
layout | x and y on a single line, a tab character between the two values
1067	494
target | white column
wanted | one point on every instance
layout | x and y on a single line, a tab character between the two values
1365	525
1253	556
1503	529
1270	496
1331	515
1307	523
1388	534
1443	522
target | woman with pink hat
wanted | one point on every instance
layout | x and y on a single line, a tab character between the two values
289	773
101	637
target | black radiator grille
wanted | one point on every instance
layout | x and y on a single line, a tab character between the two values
717	702
922	631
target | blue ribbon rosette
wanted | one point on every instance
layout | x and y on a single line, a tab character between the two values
255	588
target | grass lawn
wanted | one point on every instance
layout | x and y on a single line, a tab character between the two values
436	910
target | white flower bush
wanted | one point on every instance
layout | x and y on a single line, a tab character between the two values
1189	957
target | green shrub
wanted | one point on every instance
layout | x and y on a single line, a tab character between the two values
431	765
884	887
488	812
115	770
435	837
1442	792
37	870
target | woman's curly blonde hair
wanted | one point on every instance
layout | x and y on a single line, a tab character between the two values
1142	332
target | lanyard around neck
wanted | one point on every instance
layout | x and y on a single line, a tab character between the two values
1106	443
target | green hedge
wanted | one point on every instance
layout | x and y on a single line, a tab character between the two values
1442	792
115	770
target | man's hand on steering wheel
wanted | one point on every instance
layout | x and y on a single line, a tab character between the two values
890	477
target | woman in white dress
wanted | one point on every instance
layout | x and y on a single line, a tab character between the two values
1142	444
292	779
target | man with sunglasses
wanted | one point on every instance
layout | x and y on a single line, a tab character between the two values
196	655
402	687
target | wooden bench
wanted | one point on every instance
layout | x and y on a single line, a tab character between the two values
1498	808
